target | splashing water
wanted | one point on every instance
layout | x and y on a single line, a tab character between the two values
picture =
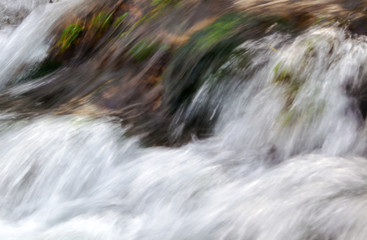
293	168
13	11
303	91
17	55
76	178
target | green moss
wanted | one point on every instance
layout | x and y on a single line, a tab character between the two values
310	47
305	111
120	20
290	80
202	56
146	48
220	30
282	76
276	68
102	21
69	35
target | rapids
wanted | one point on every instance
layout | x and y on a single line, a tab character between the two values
287	159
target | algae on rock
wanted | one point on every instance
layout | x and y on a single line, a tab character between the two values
69	36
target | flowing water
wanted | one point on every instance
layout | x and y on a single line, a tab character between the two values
17	55
286	161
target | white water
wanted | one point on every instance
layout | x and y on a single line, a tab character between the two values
27	44
322	117
272	170
74	178
13	11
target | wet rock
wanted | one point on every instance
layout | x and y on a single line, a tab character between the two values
156	67
358	25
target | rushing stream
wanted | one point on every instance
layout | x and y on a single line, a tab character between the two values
294	168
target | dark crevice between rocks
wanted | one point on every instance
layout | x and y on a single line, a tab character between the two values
358	95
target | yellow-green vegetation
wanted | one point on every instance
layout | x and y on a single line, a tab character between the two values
283	75
140	21
69	35
305	111
145	48
219	31
117	23
102	21
310	47
201	58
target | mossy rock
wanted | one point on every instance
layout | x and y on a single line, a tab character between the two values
284	75
102	21
289	80
146	48
202	60
205	52
118	21
69	36
218	32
